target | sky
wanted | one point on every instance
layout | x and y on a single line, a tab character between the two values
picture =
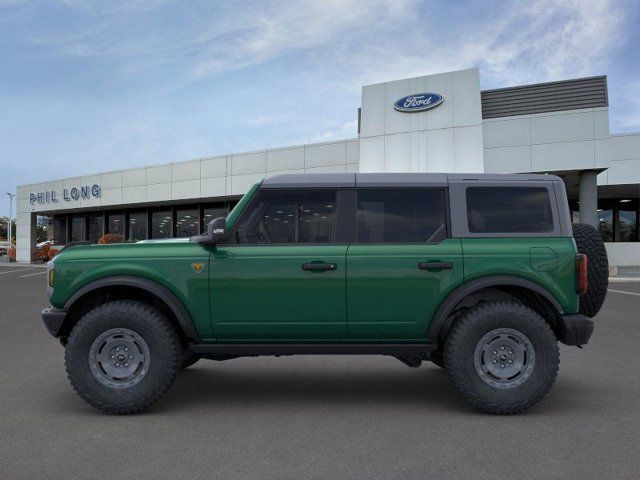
87	87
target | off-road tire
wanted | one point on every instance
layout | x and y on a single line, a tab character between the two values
472	327
188	358
164	356
589	241
437	358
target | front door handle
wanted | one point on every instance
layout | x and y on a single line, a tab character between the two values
319	267
435	265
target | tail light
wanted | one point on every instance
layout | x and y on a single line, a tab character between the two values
581	274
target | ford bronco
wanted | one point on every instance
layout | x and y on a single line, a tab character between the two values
480	274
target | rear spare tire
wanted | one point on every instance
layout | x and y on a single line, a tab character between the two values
589	242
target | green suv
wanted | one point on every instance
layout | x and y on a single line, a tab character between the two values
480	274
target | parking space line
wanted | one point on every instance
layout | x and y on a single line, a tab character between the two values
622	291
16	270
32	274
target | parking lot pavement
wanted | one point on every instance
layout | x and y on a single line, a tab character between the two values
317	417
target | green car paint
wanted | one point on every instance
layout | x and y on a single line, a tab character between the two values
241	205
375	292
262	292
527	258
389	297
167	263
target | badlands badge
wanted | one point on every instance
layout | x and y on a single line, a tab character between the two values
197	267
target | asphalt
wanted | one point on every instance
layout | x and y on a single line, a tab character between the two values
316	417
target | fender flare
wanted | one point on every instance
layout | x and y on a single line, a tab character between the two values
175	305
439	320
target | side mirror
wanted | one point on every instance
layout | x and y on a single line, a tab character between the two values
216	230
216	233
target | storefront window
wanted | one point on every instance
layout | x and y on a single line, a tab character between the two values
605	224
187	222
96	226
137	226
628	224
115	227
44	229
77	228
60	230
211	213
161	224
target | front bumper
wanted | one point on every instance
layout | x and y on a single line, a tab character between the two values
53	319
575	329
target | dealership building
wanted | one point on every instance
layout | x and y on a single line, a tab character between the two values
435	123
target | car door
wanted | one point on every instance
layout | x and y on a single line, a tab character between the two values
402	263
283	275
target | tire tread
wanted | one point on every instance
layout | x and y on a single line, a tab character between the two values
163	328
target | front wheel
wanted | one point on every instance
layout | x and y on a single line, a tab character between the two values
502	357
122	356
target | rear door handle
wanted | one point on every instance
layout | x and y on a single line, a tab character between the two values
435	265
319	267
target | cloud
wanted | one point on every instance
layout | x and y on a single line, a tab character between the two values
347	130
99	85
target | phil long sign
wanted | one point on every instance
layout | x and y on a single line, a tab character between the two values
68	194
418	102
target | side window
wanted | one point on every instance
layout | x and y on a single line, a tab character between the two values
295	216
401	215
509	210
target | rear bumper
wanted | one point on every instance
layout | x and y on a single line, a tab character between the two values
575	329
53	319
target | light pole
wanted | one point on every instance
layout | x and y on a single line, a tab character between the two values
9	232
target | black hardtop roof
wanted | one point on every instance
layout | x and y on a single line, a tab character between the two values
345	180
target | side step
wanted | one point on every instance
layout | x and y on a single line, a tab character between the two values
257	349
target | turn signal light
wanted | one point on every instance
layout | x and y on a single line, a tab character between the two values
51	277
581	274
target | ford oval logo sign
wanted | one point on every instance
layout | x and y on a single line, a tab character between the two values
418	102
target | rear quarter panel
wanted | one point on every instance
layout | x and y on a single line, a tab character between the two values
549	262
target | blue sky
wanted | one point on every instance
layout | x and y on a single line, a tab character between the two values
89	86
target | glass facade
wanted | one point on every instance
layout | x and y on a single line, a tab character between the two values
132	225
76	233
161	226
60	230
137	226
187	222
211	213
96	227
618	218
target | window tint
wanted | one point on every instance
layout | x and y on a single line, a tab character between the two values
116	224
401	215
187	222
77	228
161	224
289	217
96	226
509	210
138	225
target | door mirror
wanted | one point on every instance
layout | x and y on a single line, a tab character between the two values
216	233
217	230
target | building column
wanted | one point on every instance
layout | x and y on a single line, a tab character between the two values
588	197
25	225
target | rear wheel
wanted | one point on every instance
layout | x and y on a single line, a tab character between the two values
589	242
122	356
502	357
